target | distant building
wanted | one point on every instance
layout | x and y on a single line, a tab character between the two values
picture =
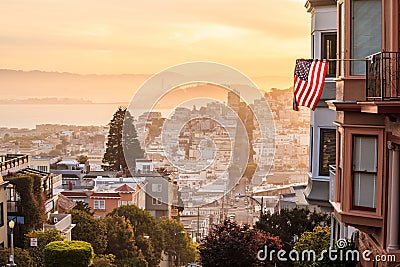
60	222
111	193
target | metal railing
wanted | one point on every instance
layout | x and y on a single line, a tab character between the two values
332	183
383	76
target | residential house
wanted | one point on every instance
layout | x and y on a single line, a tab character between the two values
365	180
322	129
110	193
61	222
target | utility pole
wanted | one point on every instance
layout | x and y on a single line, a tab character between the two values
198	224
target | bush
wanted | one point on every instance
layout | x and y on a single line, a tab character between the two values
43	238
68	254
107	260
21	257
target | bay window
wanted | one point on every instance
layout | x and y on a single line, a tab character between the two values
366	32
364	171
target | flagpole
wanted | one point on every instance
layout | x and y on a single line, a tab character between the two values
344	59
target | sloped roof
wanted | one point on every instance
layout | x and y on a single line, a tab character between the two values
65	203
125	189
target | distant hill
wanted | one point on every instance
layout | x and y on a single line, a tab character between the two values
20	85
97	88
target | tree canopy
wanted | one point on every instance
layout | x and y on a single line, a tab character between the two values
231	244
290	224
89	229
122	138
148	234
178	243
121	242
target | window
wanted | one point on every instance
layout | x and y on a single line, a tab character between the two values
1	214
366	32
122	203
329	52
146	168
327	155
99	204
157	201
364	171
339	169
42	168
341	38
156	187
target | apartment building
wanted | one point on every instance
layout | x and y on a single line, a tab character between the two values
322	129
365	178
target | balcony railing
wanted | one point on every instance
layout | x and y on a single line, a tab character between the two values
383	76
332	183
12	163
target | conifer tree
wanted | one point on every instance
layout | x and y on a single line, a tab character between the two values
122	137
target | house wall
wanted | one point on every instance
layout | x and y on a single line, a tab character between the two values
110	204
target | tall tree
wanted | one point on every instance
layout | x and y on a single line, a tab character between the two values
89	229
122	137
148	233
130	143
178	243
121	242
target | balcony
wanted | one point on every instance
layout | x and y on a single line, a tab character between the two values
12	163
383	76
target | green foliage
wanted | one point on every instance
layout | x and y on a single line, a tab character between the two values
83	206
177	242
122	137
319	240
82	159
107	260
230	244
21	257
120	236
28	187
89	229
287	224
68	254
144	225
43	238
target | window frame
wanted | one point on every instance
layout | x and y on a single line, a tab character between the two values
156	201
156	188
353	172
332	65
99	205
320	158
351	36
346	188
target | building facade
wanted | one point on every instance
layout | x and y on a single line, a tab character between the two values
322	129
365	178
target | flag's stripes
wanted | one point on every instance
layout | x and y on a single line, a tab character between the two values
308	91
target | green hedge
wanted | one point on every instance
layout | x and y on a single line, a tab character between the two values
68	254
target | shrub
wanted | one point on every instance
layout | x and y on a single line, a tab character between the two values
43	238
21	257
68	254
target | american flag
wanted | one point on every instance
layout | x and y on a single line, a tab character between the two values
309	78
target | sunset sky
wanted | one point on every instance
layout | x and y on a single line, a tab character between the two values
258	37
